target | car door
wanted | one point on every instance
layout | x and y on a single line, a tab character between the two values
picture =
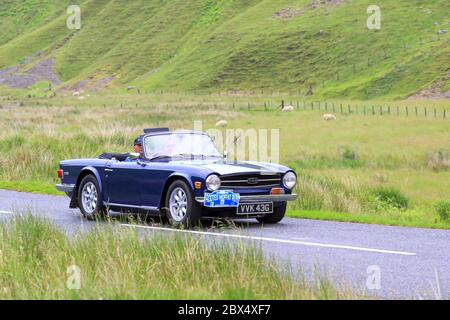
152	181
122	183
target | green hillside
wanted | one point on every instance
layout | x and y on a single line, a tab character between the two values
246	45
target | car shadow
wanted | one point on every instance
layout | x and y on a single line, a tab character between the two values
206	224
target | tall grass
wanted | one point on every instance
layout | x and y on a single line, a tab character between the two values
339	162
119	264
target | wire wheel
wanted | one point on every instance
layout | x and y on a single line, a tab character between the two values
89	198
178	204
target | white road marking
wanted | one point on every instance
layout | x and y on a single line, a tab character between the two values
5	212
237	236
301	239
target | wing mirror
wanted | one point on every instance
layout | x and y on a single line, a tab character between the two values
141	163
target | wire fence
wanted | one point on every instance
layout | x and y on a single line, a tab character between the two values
347	109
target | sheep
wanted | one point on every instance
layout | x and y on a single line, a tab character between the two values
329	117
76	94
222	124
287	109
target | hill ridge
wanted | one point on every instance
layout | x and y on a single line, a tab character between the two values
237	45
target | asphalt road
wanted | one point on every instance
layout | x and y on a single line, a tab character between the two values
389	262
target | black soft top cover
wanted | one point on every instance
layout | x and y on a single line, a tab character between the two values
117	156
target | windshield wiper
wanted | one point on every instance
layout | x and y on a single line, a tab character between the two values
160	156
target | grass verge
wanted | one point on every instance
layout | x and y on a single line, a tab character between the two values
402	219
39	262
37	187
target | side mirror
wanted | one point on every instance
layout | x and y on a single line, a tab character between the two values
141	163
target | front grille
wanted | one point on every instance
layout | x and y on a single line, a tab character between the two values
250	180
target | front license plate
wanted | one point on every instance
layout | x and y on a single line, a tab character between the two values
221	199
255	208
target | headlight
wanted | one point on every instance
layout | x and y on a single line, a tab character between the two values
289	180
213	182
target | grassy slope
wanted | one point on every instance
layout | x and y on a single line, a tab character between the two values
221	44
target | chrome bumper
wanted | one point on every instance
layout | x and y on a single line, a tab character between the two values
65	187
269	197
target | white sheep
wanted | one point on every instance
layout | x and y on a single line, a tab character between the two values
287	109
222	124
76	94
329	117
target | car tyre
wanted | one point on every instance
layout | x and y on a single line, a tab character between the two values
181	209
278	214
90	199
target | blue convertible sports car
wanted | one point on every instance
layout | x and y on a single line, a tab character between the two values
179	176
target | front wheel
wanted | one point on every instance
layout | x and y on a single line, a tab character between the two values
181	208
278	214
89	199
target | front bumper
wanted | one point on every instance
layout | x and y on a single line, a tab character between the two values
65	187
259	198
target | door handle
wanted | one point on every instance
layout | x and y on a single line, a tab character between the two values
109	170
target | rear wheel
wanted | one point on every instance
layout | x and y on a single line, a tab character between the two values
90	199
181	208
278	214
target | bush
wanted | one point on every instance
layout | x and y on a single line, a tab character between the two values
391	197
348	154
443	209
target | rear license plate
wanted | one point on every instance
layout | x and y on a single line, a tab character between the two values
255	208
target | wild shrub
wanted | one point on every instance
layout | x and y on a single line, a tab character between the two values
390	197
443	209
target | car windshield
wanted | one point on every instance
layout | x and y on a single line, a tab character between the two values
179	145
